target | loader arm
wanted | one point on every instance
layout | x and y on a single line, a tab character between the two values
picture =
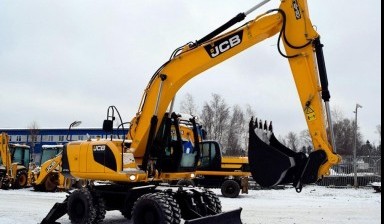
5	154
47	167
291	20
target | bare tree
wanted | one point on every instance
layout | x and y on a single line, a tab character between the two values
188	105
215	116
293	141
305	138
378	131
337	114
235	132
249	113
34	133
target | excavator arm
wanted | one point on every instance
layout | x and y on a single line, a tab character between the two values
302	49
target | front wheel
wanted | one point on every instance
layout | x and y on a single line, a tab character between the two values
21	180
152	209
80	207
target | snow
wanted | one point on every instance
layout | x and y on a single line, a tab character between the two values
315	204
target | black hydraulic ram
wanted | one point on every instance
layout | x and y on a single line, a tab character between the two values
238	18
325	94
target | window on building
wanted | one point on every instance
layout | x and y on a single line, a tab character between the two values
18	138
61	138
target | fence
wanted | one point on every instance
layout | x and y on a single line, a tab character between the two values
368	170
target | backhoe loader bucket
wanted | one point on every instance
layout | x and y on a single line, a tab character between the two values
272	163
230	217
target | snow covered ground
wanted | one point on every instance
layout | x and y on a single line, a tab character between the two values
315	204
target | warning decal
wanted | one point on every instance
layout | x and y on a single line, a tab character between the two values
310	113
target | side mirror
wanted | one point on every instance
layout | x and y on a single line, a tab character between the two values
108	125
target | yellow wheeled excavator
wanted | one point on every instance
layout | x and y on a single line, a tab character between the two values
152	155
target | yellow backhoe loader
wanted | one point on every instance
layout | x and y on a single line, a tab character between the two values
48	177
15	161
153	155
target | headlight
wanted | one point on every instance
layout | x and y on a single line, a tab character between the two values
132	177
193	175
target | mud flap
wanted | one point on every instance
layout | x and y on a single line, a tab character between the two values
57	211
230	217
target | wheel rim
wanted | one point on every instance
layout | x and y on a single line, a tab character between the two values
22	180
230	190
50	183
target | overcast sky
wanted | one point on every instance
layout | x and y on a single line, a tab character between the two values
62	61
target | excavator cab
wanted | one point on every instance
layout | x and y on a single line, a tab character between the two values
170	151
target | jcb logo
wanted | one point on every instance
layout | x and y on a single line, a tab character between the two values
297	9
224	45
98	148
51	166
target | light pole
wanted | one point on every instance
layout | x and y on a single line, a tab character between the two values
354	148
73	124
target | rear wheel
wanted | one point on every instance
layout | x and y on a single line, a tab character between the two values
21	180
152	209
230	189
212	201
80	207
99	205
176	212
51	182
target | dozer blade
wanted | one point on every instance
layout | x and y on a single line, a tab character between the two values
272	164
57	211
230	217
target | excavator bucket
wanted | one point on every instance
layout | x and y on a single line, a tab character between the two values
230	217
272	163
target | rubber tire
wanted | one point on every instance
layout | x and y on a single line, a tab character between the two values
21	179
186	183
99	205
152	209
127	210
51	182
230	189
80	207
212	201
176	211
